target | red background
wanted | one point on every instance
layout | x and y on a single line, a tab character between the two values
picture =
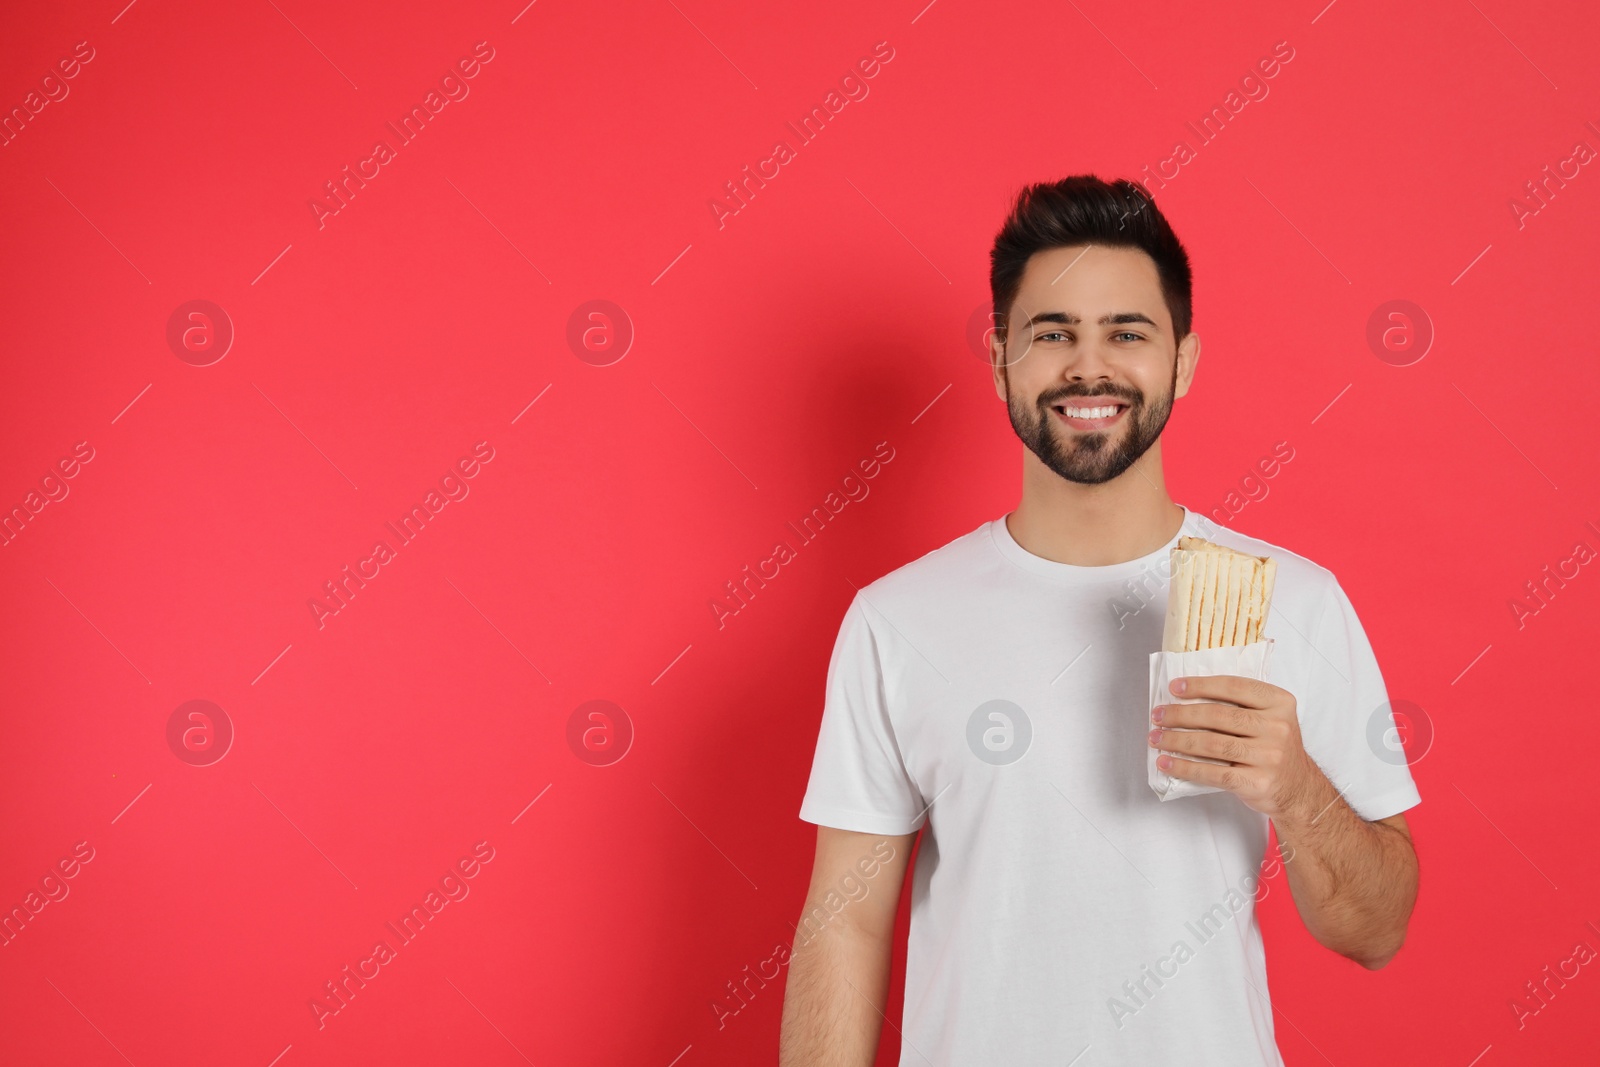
770	354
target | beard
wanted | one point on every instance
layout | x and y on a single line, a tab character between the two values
1094	457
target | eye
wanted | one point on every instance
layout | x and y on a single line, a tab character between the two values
1050	334
1130	333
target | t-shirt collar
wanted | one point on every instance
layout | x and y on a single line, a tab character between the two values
1072	574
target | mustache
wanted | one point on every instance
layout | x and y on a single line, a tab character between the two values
1132	399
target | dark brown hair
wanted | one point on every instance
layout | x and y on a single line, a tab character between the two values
1082	209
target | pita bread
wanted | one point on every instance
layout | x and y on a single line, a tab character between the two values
1260	607
1179	592
1200	544
1269	575
1237	571
1191	621
1218	597
1219	616
1211	617
1251	615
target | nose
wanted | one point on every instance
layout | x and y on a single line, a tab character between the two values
1089	363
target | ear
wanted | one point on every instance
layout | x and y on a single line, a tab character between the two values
1188	359
997	362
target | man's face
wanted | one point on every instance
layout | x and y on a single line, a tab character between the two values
1090	368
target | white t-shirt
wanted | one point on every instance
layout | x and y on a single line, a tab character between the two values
1058	906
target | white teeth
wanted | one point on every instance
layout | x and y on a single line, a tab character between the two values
1090	413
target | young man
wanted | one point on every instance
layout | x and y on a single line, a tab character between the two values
993	694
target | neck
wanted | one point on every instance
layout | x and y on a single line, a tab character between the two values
1094	525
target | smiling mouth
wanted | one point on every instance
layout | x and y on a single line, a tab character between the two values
1089	413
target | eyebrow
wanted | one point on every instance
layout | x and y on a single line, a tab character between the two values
1068	319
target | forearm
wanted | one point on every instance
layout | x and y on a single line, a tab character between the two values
833	1003
1354	882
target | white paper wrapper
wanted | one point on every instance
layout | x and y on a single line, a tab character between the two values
1247	661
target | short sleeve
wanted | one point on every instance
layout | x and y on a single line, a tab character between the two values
1346	723
858	777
